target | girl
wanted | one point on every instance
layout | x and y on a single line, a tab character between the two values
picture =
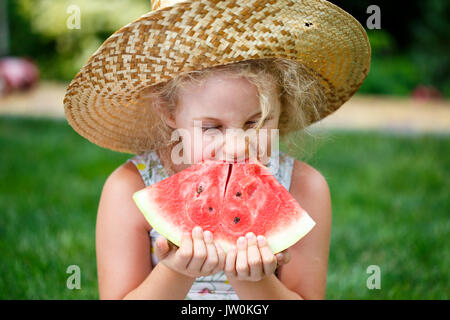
283	94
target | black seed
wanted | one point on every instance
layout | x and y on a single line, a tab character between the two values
238	194
200	189
237	219
308	24
210	209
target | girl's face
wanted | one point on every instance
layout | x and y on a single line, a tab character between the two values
212	114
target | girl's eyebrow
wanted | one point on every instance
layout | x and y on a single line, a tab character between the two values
210	118
204	118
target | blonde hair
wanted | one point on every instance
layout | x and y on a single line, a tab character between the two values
278	81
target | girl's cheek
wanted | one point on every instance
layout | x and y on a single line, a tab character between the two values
194	146
187	147
210	147
259	147
199	144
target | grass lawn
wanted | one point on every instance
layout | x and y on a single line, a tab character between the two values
390	209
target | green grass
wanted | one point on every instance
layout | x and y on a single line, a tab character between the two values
390	208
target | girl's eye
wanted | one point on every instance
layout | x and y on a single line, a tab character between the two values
253	123
250	123
204	129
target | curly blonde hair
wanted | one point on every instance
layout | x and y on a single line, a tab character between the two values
278	81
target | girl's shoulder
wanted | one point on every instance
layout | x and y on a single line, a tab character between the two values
126	175
116	200
305	177
302	175
310	188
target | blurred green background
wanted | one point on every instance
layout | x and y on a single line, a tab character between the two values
390	192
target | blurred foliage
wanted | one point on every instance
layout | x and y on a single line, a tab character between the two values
390	72
39	30
410	49
431	50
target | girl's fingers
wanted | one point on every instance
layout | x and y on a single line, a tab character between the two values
199	254
241	260
222	257
283	257
268	259
184	253
161	248
212	258
287	257
253	256
280	258
230	262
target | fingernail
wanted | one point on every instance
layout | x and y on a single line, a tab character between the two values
198	231
261	240
241	241
208	235
250	236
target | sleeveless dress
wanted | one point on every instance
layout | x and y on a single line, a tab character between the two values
215	286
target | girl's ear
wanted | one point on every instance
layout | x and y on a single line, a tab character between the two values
167	117
170	121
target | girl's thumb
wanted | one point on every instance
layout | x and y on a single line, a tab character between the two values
161	248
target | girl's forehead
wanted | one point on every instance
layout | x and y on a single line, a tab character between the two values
218	96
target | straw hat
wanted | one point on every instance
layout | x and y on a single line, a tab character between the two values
103	101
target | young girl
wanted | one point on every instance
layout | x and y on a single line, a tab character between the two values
285	94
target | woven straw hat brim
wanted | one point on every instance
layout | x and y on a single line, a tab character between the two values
102	102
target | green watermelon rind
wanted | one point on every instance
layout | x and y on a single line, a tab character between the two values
283	239
291	235
151	212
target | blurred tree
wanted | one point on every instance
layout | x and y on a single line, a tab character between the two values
411	49
42	30
395	16
390	72
430	48
4	29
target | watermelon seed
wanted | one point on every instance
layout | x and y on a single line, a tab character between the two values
200	189
238	194
210	209
237	219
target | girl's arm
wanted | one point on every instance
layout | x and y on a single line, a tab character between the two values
306	273
162	284
123	246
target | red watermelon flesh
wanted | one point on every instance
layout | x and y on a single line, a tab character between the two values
227	199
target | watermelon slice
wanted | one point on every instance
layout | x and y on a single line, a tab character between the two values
227	199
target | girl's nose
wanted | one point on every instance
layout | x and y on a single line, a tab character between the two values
235	147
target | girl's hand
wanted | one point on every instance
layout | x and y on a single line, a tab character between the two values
197	256
253	259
